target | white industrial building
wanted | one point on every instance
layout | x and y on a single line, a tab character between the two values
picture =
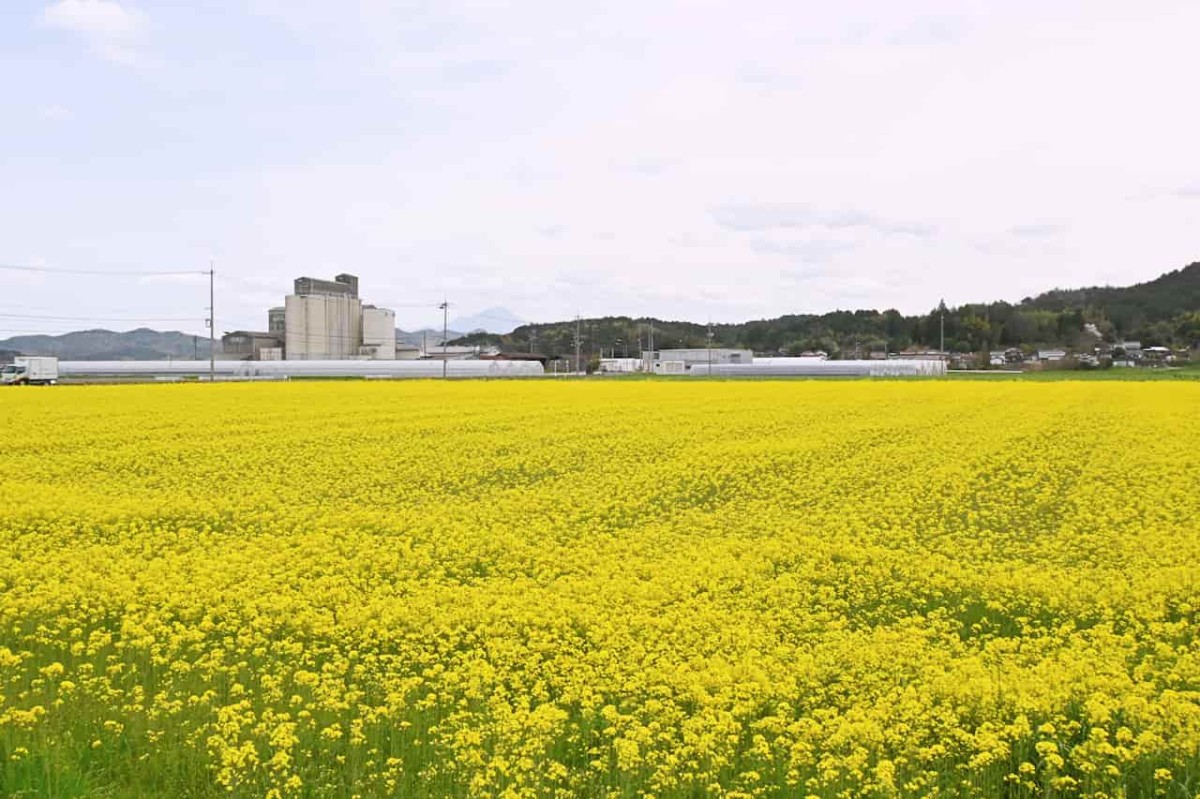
326	320
322	327
378	333
621	365
816	367
680	361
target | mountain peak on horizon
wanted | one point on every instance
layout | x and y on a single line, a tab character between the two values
496	320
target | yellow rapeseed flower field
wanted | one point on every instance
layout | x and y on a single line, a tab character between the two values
601	589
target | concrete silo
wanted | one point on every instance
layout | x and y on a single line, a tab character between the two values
379	333
323	319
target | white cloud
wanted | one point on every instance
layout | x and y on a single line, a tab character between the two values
773	216
98	17
110	28
806	250
55	113
1037	230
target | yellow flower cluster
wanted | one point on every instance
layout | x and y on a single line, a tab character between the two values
608	589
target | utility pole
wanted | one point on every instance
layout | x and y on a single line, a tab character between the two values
212	323
942	327
532	339
652	345
445	306
578	342
709	337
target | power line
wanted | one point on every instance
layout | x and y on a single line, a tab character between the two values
103	272
14	332
42	309
51	318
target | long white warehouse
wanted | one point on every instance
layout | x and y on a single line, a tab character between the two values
815	367
285	369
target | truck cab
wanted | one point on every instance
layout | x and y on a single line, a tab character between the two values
12	374
39	371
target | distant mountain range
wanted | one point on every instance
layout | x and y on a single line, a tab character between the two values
492	321
489	320
1163	311
151	345
142	344
426	336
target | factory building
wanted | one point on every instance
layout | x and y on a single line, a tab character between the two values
681	361
251	345
326	320
378	333
277	322
321	327
407	352
322	320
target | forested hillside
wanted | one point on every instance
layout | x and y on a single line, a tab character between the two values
108	345
1164	311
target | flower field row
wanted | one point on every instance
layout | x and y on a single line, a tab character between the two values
610	589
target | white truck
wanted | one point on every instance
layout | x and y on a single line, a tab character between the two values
31	371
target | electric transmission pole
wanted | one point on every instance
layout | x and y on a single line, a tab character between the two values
445	306
652	355
578	342
709	337
942	328
212	323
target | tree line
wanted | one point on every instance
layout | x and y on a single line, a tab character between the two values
1161	312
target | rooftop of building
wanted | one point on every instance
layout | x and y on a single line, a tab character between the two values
342	285
255	333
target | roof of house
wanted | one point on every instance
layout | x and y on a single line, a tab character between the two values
519	356
253	333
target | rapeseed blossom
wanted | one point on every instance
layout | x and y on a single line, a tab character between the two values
751	589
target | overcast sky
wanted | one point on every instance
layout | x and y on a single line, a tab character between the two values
701	160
